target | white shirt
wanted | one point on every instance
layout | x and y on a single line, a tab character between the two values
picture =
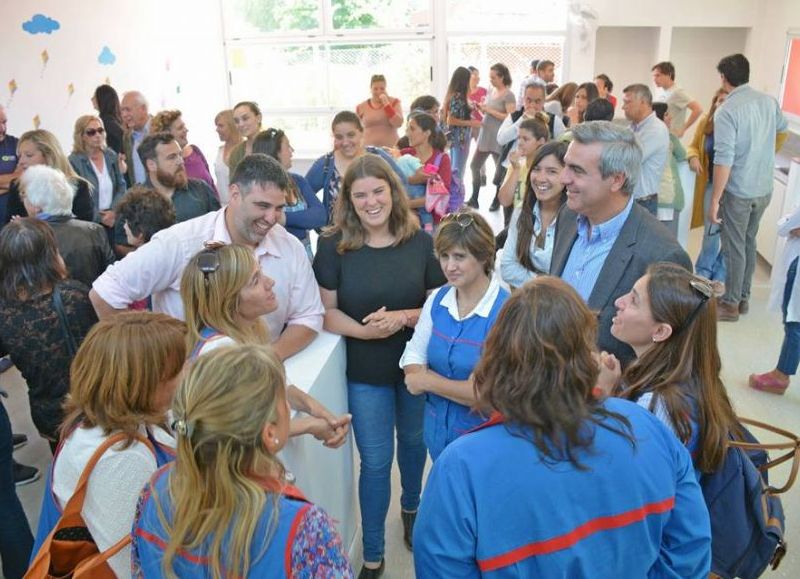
222	172
509	131
416	351
114	486
513	272
156	268
105	188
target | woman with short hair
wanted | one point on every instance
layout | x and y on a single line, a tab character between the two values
224	508
374	267
558	483
448	339
381	115
123	380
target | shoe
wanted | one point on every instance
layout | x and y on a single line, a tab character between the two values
19	440
495	205
744	307
727	312
24	475
408	527
5	364
473	202
372	573
767	383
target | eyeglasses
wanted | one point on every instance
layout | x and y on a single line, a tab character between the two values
208	259
705	291
464	219
93	132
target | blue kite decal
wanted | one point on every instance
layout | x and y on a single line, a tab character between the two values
106	57
41	24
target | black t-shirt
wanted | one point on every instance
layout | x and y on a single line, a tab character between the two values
370	278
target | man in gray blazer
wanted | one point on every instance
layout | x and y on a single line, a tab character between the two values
604	241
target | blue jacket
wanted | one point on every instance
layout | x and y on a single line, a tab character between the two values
150	537
313	216
318	175
83	167
494	508
453	351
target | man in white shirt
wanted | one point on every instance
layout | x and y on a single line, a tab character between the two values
676	98
257	199
653	137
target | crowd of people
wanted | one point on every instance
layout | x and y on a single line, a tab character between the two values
149	300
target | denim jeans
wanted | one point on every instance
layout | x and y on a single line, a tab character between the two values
458	164
740	218
376	411
790	350
16	540
710	262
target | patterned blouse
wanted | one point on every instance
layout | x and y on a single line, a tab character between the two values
459	108
32	335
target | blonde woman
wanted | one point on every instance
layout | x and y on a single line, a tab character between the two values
193	159
225	294
41	147
224	509
123	380
99	165
230	137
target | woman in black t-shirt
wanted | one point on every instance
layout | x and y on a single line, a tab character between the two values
375	267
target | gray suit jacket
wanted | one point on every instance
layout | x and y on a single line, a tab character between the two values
642	241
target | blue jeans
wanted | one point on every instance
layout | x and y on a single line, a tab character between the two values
790	350
16	540
376	410
710	262
458	165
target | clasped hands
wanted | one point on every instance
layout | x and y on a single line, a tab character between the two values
383	323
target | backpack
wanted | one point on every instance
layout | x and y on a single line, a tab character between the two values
438	195
747	520
70	550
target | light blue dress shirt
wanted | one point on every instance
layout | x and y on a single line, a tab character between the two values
745	127
653	137
590	251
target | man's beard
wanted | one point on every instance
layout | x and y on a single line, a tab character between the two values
177	180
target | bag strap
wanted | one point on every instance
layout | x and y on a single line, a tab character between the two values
58	305
792	445
75	504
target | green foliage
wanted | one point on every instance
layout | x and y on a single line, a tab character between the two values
277	15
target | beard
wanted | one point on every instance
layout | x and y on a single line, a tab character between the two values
176	180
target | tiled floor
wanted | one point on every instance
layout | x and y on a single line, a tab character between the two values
751	345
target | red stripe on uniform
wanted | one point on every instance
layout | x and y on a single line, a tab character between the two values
568	539
161	544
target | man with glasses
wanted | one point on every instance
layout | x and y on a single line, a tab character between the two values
251	218
605	241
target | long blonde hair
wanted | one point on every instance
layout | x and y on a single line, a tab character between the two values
224	403
212	299
77	133
51	150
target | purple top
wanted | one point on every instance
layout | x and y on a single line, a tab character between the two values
197	168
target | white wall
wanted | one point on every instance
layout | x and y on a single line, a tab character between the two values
171	51
776	18
625	54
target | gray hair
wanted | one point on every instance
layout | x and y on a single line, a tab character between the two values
137	96
49	189
621	153
640	91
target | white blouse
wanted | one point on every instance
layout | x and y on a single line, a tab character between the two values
105	192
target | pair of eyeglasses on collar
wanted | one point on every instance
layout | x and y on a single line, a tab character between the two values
464	219
705	291
208	258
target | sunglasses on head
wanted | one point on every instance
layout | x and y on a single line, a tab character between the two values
464	219
705	291
93	132
208	259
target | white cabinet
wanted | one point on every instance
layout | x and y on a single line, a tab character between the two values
767	236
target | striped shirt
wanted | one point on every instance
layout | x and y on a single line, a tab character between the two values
591	249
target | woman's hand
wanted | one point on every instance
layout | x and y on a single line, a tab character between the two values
386	321
108	218
416	381
123	166
610	373
694	165
384	99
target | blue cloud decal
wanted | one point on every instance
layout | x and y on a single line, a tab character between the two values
106	57
40	24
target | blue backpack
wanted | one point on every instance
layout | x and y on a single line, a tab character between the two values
747	521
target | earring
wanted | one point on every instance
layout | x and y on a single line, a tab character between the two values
654	339
276	441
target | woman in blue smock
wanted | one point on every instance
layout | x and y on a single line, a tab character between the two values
224	509
448	339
